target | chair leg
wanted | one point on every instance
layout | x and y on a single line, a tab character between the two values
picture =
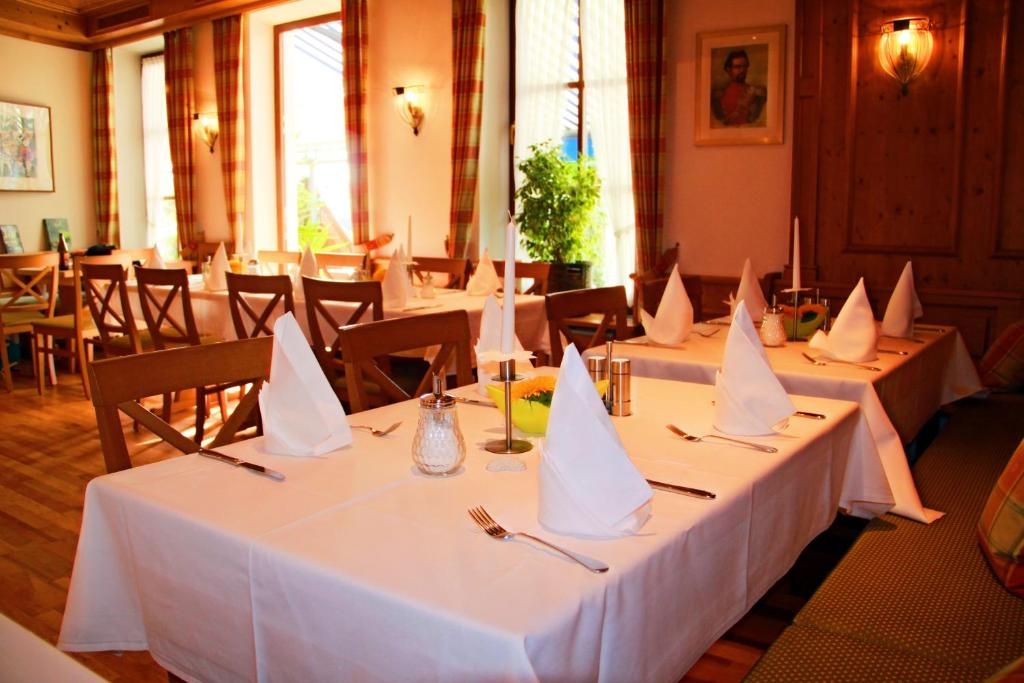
5	364
223	405
52	358
165	410
82	365
38	354
200	414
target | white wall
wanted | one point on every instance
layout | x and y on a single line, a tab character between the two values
131	171
56	77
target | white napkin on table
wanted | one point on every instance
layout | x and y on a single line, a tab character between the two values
307	267
588	486
750	293
488	345
904	307
749	399
854	335
672	322
217	282
301	413
157	261
484	279
395	286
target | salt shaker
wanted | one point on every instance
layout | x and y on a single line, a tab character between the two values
619	387
438	447
773	332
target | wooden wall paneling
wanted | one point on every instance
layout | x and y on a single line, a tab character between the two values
1008	199
807	99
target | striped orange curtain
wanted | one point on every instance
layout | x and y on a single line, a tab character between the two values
354	44
645	74
178	58
227	64
467	104
104	158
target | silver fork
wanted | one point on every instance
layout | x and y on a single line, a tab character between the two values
692	437
823	363
378	432
495	530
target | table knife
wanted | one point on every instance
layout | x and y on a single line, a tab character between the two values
685	490
238	462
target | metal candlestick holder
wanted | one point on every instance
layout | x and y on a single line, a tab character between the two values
796	310
508	445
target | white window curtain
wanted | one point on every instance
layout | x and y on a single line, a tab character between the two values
603	37
161	229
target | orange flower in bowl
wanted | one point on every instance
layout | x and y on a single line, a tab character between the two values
531	401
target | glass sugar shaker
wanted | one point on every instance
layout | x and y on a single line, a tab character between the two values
438	447
772	332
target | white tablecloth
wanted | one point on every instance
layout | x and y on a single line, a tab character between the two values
359	568
896	402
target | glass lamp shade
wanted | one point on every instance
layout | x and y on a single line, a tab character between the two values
905	48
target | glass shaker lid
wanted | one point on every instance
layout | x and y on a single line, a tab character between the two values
437	398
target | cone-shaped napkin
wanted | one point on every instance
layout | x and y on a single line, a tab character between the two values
749	399
307	267
217	282
394	286
853	336
484	279
904	307
488	345
157	261
301	413
672	322
588	486
749	292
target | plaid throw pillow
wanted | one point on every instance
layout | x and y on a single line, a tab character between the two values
1003	364
1001	529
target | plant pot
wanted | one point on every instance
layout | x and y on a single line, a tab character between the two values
566	276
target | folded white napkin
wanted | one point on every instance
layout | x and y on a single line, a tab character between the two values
488	345
854	336
157	261
217	282
394	288
749	399
307	267
749	292
672	322
484	279
588	486
301	413
904	307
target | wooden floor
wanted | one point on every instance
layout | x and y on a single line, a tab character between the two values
49	450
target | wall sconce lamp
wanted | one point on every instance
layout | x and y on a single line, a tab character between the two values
905	48
208	128
409	100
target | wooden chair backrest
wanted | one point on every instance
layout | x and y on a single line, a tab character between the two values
649	292
204	249
31	283
325	261
537	271
368	295
363	344
276	262
610	302
143	256
454	268
119	383
103	279
254	323
159	289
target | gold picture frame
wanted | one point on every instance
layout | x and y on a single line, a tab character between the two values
741	86
26	148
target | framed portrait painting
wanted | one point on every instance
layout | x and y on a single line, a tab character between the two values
741	86
26	148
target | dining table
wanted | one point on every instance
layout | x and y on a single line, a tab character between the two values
912	379
359	567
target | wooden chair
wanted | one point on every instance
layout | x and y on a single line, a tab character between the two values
208	249
119	383
649	292
104	282
143	256
363	344
606	304
536	271
368	295
30	296
328	261
454	268
277	262
277	287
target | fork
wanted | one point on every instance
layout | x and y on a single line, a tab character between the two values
495	530
378	432
692	437
822	363
712	333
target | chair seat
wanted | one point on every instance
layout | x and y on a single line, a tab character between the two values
123	343
20	318
63	323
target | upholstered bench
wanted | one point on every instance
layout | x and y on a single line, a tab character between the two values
915	602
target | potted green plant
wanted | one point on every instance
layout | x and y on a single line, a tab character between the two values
558	217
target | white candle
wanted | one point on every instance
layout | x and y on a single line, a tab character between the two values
408	237
796	252
508	312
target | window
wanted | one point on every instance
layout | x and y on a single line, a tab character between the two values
161	219
313	177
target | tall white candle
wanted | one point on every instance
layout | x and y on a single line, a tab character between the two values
508	311
408	236
796	252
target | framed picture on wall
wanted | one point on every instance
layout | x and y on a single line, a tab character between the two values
26	148
741	86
